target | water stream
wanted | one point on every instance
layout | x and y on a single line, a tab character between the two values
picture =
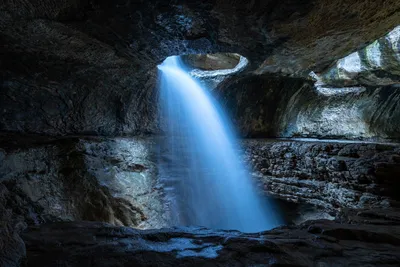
206	182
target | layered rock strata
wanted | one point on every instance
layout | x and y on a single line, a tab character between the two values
115	180
331	175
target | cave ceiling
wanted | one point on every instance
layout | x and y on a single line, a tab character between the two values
88	66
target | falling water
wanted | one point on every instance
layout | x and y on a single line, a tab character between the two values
206	183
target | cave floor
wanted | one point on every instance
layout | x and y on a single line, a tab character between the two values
366	238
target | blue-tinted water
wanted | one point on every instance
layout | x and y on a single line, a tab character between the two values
205	181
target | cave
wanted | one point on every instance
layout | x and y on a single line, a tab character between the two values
199	133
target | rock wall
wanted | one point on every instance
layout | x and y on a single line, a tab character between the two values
108	180
270	106
331	175
115	180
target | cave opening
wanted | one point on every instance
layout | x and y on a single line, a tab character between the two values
210	70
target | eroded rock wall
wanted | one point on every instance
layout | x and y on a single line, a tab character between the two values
270	106
378	64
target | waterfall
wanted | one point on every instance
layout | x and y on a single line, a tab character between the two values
205	180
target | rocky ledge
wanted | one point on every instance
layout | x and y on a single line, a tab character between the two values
367	239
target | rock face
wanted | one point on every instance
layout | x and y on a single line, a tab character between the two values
270	106
378	64
108	180
319	243
88	67
115	180
328	174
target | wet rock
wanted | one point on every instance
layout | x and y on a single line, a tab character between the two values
321	243
46	179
